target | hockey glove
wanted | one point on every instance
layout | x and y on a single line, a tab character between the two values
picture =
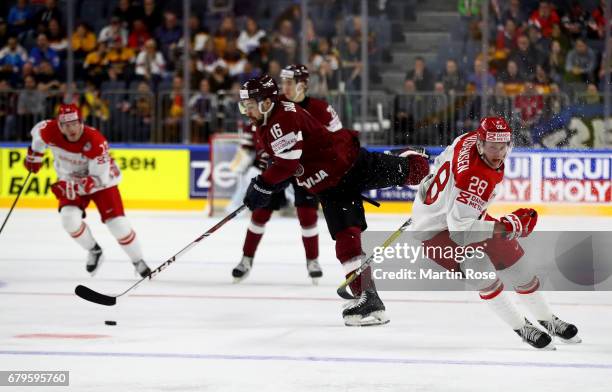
64	190
259	193
520	223
71	190
33	161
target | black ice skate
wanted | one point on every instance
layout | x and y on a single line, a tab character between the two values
94	259
535	337
314	270
366	310
241	271
142	268
566	332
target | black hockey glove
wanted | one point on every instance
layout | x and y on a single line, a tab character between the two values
259	193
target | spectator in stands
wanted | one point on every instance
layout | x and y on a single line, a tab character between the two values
541	80
126	13
420	74
351	65
12	58
525	56
220	80
46	77
114	32
605	67
51	11
499	104
530	106
322	79
596	25
57	38
202	108
30	107
139	35
592	96
97	110
575	20
247	73
19	17
325	53
83	41
553	102
4	32
119	58
475	78
233	59
512	79
404	109
141	110
561	37
556	62
174	106
26	70
469	12
8	99
261	56
95	65
516	13
506	37
168	36
42	52
199	36
226	32
150	63
539	44
274	69
284	41
452	78
580	63
248	40
151	15
545	17
208	57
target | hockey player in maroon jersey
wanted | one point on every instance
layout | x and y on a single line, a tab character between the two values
450	211
294	82
331	165
86	173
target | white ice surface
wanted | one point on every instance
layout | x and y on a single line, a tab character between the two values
191	329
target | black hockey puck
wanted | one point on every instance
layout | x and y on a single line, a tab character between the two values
110	322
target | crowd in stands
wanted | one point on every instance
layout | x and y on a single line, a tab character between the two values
140	49
540	53
129	74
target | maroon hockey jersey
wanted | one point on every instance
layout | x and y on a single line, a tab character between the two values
302	146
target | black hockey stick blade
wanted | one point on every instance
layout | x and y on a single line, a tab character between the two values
93	296
343	292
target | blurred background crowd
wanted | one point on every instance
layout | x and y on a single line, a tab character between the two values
433	67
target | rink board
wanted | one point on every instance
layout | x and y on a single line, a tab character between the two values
178	177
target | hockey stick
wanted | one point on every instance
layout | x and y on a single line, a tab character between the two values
355	274
15	202
109	300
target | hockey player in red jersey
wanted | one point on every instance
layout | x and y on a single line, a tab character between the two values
450	211
294	82
331	165
85	173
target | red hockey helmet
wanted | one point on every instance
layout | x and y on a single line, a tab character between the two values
494	129
297	72
69	112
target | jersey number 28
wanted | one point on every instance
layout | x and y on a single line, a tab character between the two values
438	184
